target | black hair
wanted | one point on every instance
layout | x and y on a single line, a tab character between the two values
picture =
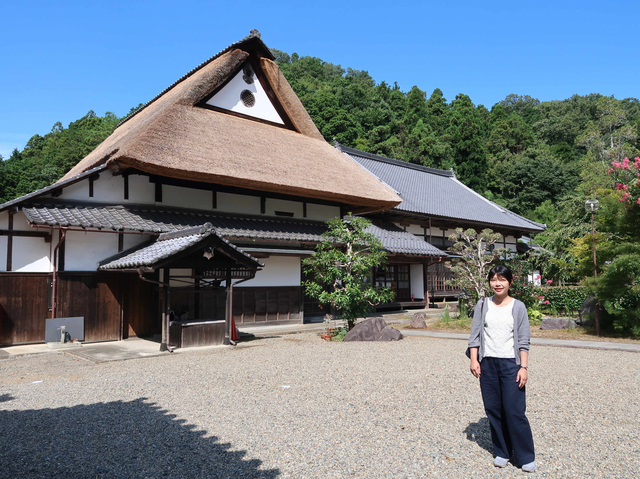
500	270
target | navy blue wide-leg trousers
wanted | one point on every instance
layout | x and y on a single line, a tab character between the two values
505	405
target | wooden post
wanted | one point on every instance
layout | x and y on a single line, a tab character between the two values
426	282
10	241
166	310
228	306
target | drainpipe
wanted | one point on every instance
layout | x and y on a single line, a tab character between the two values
54	286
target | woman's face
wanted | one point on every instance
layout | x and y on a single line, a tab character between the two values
499	285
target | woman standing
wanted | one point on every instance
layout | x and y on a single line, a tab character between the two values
499	352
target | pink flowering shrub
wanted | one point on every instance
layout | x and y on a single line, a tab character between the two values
627	178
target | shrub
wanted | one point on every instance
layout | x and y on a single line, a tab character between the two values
535	316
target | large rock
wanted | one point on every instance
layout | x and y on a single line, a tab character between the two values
557	323
374	329
587	313
418	321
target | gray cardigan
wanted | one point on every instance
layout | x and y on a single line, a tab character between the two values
521	329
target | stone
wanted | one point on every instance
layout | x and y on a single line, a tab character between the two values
555	323
374	329
418	321
587	314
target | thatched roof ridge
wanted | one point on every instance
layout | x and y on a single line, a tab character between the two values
254	36
175	137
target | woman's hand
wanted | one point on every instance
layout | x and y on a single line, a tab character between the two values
522	377
475	368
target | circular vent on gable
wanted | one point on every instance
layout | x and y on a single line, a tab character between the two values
247	98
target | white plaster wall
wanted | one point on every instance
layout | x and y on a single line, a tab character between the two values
108	188
182	282
229	99
20	222
415	229
510	239
141	190
4	220
232	203
3	253
31	255
78	191
273	205
278	271
129	241
186	197
83	251
512	247
417	280
322	212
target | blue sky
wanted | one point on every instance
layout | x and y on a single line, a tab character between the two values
61	59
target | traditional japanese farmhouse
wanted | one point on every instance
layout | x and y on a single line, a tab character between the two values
434	204
199	207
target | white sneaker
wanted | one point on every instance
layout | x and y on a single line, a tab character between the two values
529	467
501	462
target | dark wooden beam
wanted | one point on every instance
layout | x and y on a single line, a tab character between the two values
158	192
126	186
199	185
61	252
120	242
36	234
10	242
263	204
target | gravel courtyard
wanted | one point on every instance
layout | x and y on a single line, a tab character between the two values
296	406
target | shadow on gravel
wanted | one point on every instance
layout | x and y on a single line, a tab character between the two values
115	439
6	398
480	433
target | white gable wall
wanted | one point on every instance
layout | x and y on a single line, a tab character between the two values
229	98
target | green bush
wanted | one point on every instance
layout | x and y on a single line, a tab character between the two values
535	316
568	299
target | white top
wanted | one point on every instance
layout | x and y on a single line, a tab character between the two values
498	331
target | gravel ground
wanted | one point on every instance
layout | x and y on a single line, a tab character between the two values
296	406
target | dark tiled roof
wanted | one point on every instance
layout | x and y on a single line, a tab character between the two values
53	187
398	241
168	244
136	218
437	193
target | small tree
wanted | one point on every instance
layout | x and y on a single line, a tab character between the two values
342	266
475	256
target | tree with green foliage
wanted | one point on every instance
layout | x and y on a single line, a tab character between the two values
475	255
466	134
342	267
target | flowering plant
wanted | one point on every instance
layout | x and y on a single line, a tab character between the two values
627	178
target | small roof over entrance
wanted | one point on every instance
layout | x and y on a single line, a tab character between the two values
199	247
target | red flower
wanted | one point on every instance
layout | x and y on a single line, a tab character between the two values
546	302
549	281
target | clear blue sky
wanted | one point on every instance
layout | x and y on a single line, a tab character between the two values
58	60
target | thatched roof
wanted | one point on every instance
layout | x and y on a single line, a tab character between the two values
173	136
